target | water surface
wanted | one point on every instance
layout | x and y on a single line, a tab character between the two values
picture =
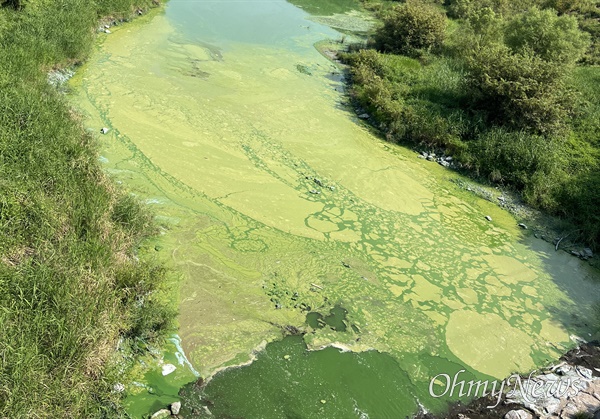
276	201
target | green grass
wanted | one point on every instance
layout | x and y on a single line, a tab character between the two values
326	7
70	285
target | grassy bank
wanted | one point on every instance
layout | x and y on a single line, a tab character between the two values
71	287
509	89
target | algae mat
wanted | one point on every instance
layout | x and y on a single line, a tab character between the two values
275	202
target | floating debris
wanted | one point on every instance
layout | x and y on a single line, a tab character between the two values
168	369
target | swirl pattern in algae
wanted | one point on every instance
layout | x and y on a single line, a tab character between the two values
216	126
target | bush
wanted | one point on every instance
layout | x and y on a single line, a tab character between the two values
465	9
520	90
504	96
411	28
548	36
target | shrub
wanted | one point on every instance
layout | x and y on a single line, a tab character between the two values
411	28
520	90
548	36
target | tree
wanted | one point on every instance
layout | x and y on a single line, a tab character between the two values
410	28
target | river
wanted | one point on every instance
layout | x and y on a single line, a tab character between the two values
276	202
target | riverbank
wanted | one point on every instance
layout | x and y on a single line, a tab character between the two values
569	389
77	293
540	142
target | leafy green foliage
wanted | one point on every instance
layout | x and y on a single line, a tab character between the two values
550	37
524	73
505	96
520	90
465	9
410	28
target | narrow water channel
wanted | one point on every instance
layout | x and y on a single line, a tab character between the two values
276	202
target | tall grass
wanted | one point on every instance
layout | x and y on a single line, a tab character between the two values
70	286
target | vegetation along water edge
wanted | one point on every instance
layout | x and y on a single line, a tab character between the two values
509	89
74	296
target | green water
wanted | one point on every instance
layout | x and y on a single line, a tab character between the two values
221	116
336	319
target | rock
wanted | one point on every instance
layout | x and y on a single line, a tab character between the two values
501	199
424	154
550	405
449	158
345	265
106	31
523	226
588	252
444	163
118	388
420	156
575	253
518	414
487	217
563	370
318	181
332	188
162	413
461	416
175	408
597	414
585	372
364	116
314	192
583	402
431	157
569	410
168	369
586	402
580	385
104	130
